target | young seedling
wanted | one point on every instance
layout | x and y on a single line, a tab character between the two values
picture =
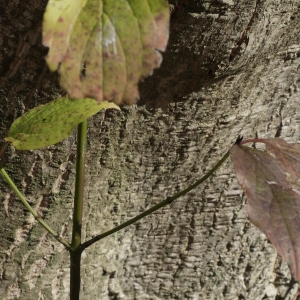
101	49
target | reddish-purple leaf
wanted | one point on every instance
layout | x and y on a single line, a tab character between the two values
287	155
273	204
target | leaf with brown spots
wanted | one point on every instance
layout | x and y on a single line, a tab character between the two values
270	181
102	48
48	124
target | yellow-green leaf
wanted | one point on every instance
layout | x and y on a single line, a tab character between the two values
49	124
102	48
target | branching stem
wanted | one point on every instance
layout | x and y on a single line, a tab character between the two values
76	248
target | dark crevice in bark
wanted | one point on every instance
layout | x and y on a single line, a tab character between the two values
244	37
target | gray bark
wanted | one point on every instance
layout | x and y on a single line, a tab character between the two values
231	68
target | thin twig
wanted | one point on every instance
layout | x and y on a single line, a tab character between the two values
165	202
30	209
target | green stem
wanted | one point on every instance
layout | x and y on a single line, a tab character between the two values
165	202
36	216
75	253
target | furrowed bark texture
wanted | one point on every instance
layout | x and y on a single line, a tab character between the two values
231	67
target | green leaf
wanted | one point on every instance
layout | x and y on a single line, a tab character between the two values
48	124
102	48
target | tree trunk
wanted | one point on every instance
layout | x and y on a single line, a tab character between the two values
231	68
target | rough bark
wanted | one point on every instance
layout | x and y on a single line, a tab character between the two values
232	67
